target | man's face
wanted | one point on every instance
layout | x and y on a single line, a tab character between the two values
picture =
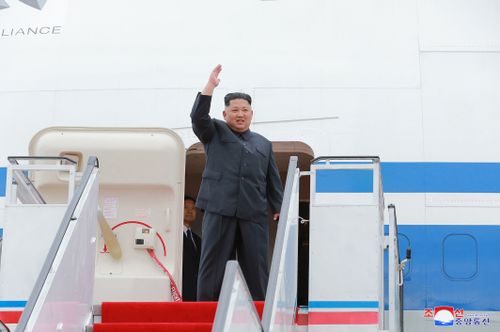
238	115
189	212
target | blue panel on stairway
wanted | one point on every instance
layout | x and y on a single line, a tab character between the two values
3	175
344	181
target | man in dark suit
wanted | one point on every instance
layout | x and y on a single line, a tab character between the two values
191	252
240	180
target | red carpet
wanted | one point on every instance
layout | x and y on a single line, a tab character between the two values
159	316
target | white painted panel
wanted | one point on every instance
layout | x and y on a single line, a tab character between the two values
461	99
127	108
459	25
476	200
27	236
22	117
462	216
29	60
155	44
384	122
445	208
319	136
337	230
462	209
361	43
410	208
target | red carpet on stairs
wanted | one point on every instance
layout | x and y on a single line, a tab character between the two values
159	316
153	327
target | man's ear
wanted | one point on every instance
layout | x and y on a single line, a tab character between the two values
224	114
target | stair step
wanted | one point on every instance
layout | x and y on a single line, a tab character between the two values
153	327
159	312
162	312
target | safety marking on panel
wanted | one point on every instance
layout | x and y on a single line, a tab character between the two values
343	312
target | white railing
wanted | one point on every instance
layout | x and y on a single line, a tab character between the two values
22	190
236	309
281	296
62	296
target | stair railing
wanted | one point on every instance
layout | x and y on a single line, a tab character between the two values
236	309
281	296
395	267
25	191
58	299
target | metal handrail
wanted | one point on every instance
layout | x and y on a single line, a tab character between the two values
28	192
278	247
92	163
373	158
13	159
394	223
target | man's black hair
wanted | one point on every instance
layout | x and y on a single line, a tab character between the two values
237	95
189	198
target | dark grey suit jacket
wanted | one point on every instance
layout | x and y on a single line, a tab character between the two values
240	177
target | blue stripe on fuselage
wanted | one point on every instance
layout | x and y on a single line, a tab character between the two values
415	177
409	177
443	272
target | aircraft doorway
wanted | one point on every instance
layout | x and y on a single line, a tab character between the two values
195	163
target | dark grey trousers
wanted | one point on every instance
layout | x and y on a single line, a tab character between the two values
223	236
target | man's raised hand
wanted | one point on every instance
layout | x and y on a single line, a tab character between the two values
214	76
213	81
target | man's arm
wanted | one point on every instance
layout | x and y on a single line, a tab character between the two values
202	124
274	187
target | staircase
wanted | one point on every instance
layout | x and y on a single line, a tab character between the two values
159	316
